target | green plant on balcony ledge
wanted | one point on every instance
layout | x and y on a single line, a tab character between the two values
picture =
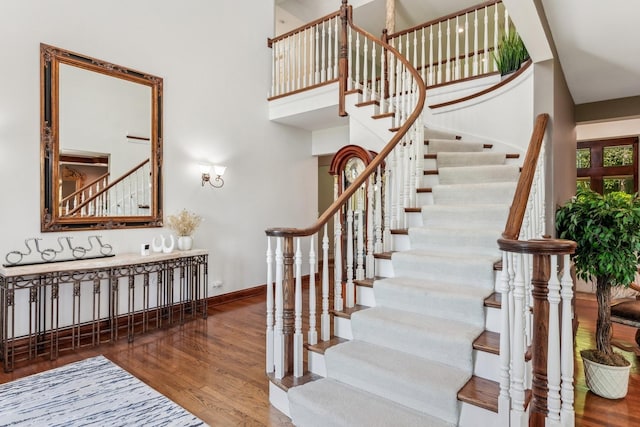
511	52
607	231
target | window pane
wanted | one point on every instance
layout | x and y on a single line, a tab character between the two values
583	158
620	155
584	183
618	183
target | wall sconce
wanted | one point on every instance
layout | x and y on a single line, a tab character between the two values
218	170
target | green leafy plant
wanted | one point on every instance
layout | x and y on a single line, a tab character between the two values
184	223
607	231
511	52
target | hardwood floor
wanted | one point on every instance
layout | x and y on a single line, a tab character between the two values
215	368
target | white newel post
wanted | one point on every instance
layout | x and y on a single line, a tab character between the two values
312	337
297	336
325	325
269	333
278	354
338	302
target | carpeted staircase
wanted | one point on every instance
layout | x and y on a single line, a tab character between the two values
412	352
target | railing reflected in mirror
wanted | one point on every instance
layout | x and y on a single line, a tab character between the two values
101	144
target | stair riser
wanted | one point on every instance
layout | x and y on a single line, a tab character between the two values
413	219
383	268
492	322
342	328
278	398
425	199
316	363
430	180
401	242
365	296
474	416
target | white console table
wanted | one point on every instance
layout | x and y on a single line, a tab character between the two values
51	307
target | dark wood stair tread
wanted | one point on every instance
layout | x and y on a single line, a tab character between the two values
433	156
383	255
497	266
430	172
401	231
290	381
346	313
323	345
382	116
366	103
458	138
367	283
488	342
494	300
424	190
413	210
352	91
481	392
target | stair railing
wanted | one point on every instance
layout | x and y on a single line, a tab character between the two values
285	264
536	313
129	194
78	196
456	46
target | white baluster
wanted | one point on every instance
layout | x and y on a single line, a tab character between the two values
274	73
329	52
336	47
299	61
349	300
423	49
431	82
305	66
383	84
553	349
317	54
360	250
567	414
387	208
371	221
506	21
475	43
323	54
357	61
325	325
366	94
269	344
487	57
518	363
278	341
448	69
338	302
350	55
466	45
415	49
496	27
312	337
374	92
504	400
439	75
297	336
289	77
456	62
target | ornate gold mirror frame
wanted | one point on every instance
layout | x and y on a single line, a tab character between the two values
56	213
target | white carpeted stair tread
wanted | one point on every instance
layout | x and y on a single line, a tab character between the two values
419	383
478	174
473	270
330	403
463	240
492	216
447	145
470	159
462	303
465	194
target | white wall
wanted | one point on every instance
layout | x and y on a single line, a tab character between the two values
215	109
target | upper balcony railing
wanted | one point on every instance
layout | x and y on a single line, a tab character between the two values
448	49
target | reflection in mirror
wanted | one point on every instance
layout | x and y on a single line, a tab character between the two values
101	144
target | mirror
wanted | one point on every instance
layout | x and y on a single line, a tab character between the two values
101	144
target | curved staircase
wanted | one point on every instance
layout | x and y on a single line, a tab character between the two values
411	353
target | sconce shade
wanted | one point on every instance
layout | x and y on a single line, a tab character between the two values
218	170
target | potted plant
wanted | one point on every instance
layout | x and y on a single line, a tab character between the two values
184	224
607	231
511	52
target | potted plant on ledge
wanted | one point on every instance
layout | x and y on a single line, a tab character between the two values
184	224
511	52
607	231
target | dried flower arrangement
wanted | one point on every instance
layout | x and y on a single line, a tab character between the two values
184	223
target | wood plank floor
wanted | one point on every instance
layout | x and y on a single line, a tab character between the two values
215	368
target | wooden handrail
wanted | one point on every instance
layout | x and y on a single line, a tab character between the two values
444	18
302	28
75	193
378	160
105	189
523	188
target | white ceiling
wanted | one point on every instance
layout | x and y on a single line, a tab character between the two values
596	40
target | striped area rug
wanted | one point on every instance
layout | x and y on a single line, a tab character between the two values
92	392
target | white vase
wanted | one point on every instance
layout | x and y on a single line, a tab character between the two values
185	243
607	381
